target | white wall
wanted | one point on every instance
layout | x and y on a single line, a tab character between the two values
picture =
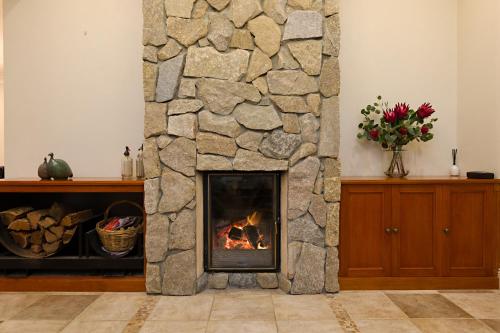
404	50
479	85
73	83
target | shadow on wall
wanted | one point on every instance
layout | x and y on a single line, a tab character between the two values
2	172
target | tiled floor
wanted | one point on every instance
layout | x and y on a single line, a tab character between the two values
252	311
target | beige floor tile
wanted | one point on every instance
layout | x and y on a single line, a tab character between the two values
95	327
110	307
386	326
242	307
369	305
183	308
11	304
479	305
319	326
427	306
174	327
451	326
467	291
56	307
302	307
494	324
245	326
32	326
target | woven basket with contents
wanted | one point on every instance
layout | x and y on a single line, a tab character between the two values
120	239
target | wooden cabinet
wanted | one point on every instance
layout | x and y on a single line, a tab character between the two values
418	233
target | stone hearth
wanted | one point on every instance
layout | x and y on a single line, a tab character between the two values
249	86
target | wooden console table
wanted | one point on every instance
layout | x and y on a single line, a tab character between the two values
419	233
67	271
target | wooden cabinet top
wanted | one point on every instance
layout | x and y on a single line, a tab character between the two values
76	185
414	180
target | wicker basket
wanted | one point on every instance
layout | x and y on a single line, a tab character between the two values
119	240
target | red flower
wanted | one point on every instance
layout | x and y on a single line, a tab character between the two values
374	133
425	110
390	116
401	110
403	130
424	129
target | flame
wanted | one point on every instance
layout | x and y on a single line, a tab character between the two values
244	243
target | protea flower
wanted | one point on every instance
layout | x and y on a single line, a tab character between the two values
401	110
424	129
403	131
425	110
374	134
390	116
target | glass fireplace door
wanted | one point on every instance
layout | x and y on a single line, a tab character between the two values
241	215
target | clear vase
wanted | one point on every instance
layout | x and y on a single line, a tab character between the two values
396	168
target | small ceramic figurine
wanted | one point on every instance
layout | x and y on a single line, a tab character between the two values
127	164
454	169
58	169
43	170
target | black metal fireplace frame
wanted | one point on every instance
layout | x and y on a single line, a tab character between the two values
206	225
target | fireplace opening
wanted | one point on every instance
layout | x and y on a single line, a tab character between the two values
242	221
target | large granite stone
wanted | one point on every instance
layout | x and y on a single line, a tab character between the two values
261	84
332	270
291	82
267	280
149	77
179	276
329	134
285	59
182	231
331	7
218	280
183	125
149	53
250	140
331	38
329	80
290	104
153	278
318	209
332	167
157	237
290	123
154	29
301	179
310	271
275	9
259	64
267	34
208	62
244	10
308	54
178	191
257	117
246	160
179	8
313	104
180	155
242	280
151	195
332	189
303	229
213	162
332	224
242	39
155	119
293	255
220	31
300	4
280	145
152	166
199	9
218	4
220	96
187	88
202	282
225	125
309	126
170	50
163	141
186	31
284	284
180	106
168	78
211	143
303	24
306	149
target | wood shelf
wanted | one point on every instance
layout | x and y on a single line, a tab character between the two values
437	180
77	185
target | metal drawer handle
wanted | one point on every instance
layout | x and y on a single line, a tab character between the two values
446	230
388	230
395	230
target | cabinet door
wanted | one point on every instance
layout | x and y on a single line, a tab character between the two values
365	246
415	231
469	231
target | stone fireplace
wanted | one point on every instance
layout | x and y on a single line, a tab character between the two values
241	144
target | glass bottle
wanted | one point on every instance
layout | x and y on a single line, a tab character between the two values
139	164
127	164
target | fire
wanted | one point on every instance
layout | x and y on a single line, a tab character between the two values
244	234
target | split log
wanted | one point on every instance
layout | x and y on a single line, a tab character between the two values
37	237
57	231
57	211
35	248
10	215
50	237
51	247
47	222
35	216
21	238
73	219
20	225
68	235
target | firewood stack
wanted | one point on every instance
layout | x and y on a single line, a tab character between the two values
44	231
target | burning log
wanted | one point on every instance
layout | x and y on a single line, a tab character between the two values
252	234
235	234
